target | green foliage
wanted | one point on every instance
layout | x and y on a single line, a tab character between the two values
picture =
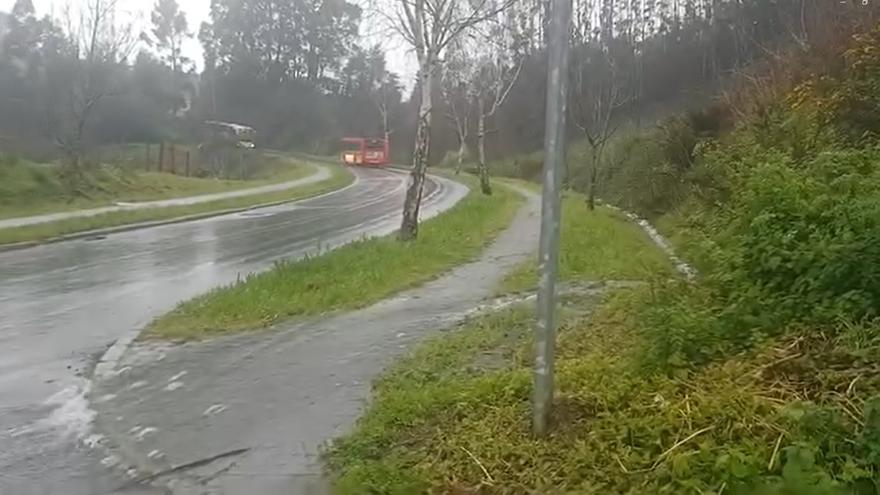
678	139
796	242
635	175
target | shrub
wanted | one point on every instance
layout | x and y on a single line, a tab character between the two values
793	243
678	138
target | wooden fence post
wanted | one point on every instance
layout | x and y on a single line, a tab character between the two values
172	152
188	157
161	156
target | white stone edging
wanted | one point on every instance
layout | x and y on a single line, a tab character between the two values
681	266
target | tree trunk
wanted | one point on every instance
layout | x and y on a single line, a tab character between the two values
594	167
409	227
385	130
485	185
462	151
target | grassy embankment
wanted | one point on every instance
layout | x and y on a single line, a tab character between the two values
349	277
761	378
40	232
32	189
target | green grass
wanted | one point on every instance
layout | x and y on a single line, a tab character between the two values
453	416
596	245
352	276
32	189
41	232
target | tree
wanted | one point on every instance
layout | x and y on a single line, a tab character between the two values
456	85
371	91
429	26
385	89
170	31
281	67
97	48
282	40
598	91
499	68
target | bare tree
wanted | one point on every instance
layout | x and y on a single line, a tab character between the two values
497	75
597	96
99	44
383	105
386	94
458	93
429	26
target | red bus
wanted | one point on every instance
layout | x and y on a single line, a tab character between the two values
366	152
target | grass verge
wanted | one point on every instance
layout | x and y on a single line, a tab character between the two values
596	245
32	189
352	276
40	232
784	418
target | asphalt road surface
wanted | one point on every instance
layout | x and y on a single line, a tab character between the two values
61	305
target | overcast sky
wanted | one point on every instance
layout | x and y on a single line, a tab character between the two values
400	58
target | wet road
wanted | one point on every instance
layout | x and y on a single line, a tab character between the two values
61	305
282	395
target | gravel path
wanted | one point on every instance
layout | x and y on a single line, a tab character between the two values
280	395
321	173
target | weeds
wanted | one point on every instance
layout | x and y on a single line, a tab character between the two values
745	425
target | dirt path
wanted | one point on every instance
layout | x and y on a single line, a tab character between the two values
321	173
271	400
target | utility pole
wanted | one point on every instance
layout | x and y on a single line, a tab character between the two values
554	162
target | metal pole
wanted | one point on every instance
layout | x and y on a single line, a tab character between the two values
554	161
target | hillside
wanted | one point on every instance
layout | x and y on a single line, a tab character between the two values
760	377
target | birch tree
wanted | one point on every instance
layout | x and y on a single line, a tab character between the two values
497	74
430	26
456	86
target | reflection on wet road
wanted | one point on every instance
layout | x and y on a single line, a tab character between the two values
63	304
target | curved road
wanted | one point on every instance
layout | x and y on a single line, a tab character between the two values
61	305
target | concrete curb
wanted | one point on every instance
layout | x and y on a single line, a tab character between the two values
158	223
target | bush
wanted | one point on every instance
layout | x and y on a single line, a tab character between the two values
809	238
638	177
791	243
678	139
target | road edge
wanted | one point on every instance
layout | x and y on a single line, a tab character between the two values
86	234
140	469
135	467
107	362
